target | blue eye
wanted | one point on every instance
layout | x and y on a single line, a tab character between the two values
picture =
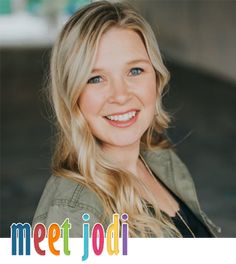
136	71
94	79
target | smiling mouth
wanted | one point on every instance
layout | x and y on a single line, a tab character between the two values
123	117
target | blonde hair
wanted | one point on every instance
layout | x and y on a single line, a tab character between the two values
78	154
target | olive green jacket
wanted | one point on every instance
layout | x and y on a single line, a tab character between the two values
63	198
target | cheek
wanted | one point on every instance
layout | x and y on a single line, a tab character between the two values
148	93
90	103
152	95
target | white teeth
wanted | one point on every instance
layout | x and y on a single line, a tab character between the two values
124	117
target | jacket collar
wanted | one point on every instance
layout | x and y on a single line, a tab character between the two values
168	168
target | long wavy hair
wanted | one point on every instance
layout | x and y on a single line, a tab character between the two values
78	154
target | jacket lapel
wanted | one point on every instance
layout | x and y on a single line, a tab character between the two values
174	175
168	168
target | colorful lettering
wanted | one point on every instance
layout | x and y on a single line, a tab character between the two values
21	233
98	239
39	235
113	236
21	237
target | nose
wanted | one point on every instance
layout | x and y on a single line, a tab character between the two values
119	91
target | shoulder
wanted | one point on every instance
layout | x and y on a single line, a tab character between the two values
64	198
163	158
170	169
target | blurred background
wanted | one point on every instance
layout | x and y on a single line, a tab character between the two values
197	40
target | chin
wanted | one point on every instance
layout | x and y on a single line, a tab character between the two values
122	141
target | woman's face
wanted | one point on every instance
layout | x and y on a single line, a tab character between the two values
119	99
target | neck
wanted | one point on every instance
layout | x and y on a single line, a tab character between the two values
126	156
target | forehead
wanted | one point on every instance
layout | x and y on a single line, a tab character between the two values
118	44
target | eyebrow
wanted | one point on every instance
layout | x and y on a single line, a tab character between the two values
128	63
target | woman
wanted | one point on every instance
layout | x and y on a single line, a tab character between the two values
112	156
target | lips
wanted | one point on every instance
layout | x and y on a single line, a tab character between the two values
122	116
121	113
123	119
